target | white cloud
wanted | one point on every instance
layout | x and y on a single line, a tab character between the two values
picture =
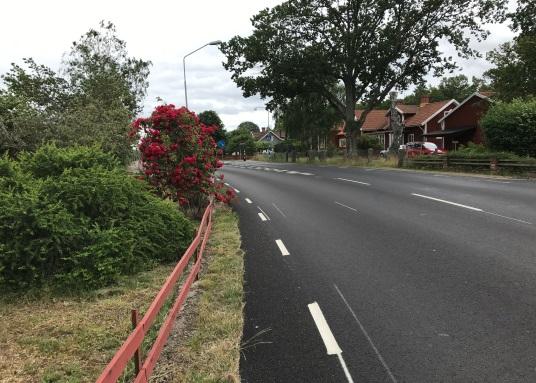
162	32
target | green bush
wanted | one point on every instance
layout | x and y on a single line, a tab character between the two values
511	127
83	227
365	142
479	151
48	160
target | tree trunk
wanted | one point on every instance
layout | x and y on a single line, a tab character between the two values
351	126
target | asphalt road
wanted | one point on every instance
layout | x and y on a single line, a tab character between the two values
385	275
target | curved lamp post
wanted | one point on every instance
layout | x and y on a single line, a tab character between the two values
217	42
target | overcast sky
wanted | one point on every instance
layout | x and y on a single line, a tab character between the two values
162	32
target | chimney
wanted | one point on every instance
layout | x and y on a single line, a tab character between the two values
263	130
425	100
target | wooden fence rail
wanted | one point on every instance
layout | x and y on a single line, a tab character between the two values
132	344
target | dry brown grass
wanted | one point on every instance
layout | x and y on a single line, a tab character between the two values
208	350
66	339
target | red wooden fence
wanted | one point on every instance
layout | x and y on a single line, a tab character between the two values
127	351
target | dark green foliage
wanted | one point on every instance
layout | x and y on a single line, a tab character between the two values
366	141
82	224
455	87
251	126
93	102
48	160
211	118
511	127
237	137
371	47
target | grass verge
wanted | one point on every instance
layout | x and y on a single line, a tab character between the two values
70	339
208	348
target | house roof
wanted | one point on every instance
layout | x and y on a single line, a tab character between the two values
376	120
426	112
481	95
260	135
407	109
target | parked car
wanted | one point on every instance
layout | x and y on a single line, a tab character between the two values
384	153
414	149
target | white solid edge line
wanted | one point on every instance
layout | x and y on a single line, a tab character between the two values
262	217
279	210
332	347
248	200
343	205
354	181
282	247
369	339
506	217
345	368
263	212
447	202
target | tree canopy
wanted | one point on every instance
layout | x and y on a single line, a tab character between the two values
211	118
456	87
251	126
93	101
370	46
237	137
514	74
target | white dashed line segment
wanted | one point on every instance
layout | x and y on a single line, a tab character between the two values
248	200
282	247
262	217
343	205
263	212
332	347
447	202
354	181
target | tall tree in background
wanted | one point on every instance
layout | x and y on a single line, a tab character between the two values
514	75
370	46
456	87
211	118
307	118
251	126
92	101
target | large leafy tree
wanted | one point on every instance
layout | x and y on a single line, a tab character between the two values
514	74
91	101
251	126
307	118
240	139
211	118
370	46
456	87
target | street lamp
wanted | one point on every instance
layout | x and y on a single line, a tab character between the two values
262	107
217	42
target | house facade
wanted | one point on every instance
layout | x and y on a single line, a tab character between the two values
268	136
461	125
417	121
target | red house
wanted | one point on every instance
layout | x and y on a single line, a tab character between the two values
417	121
462	124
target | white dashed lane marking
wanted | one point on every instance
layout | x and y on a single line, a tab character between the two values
282	247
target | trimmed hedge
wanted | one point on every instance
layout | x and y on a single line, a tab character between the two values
512	127
71	219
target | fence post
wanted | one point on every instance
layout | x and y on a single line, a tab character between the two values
445	162
370	151
401	156
493	165
134	317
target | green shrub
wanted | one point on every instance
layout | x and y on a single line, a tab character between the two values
48	160
511	127
84	227
365	142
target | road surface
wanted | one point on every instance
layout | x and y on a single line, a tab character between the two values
378	275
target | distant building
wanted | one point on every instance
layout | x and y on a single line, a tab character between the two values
269	136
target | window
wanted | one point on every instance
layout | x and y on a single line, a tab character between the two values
411	137
342	142
381	138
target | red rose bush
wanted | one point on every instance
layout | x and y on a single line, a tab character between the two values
179	157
